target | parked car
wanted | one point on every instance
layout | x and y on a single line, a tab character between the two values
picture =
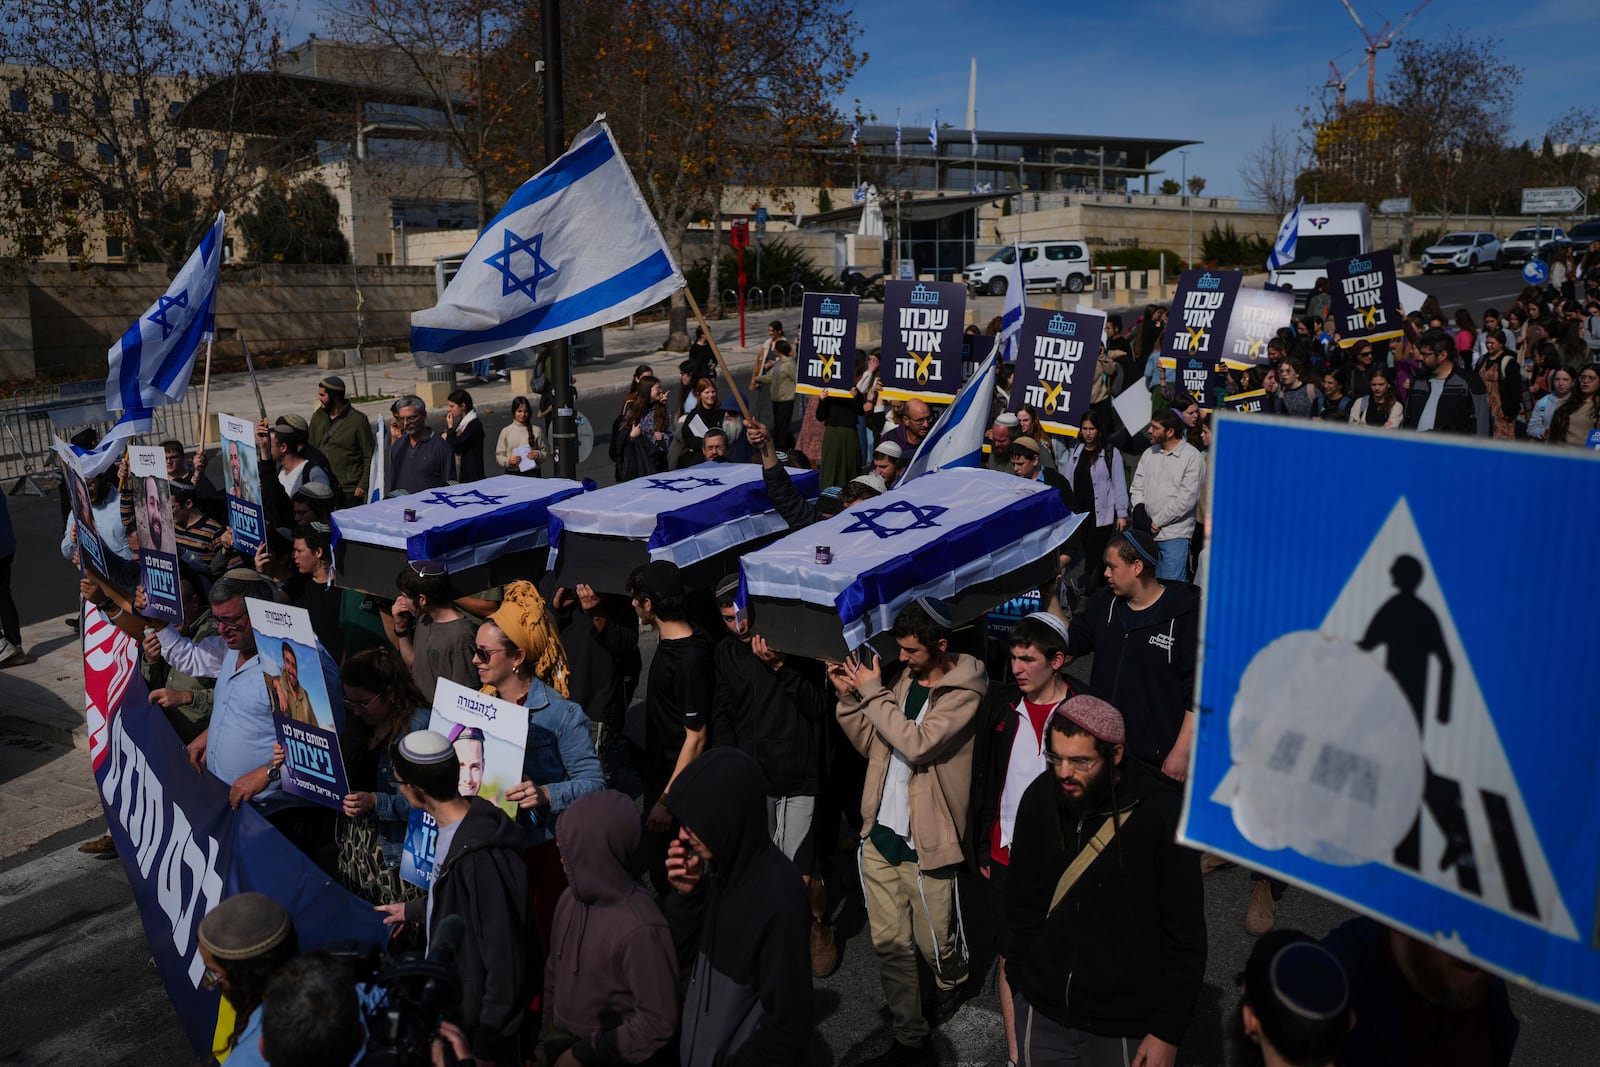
1054	265
1584	234
1462	251
1520	245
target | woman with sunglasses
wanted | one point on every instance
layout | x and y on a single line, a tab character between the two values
520	658
381	703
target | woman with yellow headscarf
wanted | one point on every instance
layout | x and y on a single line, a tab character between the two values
519	658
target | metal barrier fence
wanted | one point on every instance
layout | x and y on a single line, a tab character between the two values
31	419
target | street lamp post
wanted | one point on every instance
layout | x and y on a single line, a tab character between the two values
1189	258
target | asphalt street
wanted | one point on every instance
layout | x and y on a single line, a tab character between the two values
76	976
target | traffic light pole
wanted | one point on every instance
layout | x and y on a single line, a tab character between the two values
555	137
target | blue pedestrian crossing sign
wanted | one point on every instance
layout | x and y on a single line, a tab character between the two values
1535	272
1397	706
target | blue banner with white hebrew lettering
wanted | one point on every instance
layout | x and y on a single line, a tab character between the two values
1056	358
183	848
922	324
1371	728
1365	293
827	353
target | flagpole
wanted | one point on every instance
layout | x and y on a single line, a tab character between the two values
694	306
205	402
249	365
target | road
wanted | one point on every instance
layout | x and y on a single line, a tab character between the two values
1476	292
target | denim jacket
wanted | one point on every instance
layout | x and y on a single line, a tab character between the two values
560	756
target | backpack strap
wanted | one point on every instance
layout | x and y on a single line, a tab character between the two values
1090	852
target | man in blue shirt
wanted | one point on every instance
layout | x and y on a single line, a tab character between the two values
237	746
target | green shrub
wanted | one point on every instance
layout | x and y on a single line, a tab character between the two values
781	264
1136	258
1227	248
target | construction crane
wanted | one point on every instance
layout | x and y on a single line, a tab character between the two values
1337	80
1376	42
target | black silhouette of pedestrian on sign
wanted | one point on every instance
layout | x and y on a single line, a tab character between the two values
1410	634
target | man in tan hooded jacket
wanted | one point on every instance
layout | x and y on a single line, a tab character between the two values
918	740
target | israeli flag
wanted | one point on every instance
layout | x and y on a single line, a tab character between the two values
573	249
1288	235
152	361
1010	339
855	134
378	468
897	135
956	440
933	132
103	456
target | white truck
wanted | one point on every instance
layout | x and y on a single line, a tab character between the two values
1327	231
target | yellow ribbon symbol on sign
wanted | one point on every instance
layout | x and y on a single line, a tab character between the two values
1196	335
1255	347
922	366
1371	316
827	368
1051	398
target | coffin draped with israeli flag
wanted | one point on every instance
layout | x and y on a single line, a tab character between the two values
484	532
971	537
698	517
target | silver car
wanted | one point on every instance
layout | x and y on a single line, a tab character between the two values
1520	245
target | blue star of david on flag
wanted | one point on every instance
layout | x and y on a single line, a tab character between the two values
920	517
685	484
468	498
159	316
510	281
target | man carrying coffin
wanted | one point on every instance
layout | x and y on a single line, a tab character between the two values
918	740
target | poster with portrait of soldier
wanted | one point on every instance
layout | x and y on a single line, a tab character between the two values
91	550
242	481
302	711
489	736
158	542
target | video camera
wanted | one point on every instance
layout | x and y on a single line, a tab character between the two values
406	995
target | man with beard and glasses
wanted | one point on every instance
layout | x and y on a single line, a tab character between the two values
1294	1005
1417	1006
1107	929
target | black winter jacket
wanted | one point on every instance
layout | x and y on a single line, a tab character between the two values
1146	673
1463	406
484	880
1125	953
748	1003
776	716
795	509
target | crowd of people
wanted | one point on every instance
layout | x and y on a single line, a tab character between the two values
667	899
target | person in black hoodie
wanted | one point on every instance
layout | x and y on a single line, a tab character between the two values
773	706
740	913
1144	633
479	875
1105	961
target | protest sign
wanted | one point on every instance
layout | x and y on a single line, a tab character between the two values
922	323
302	710
242	481
1246	403
91	549
1199	376
1257	316
183	848
1201	307
158	542
975	348
827	356
1365	298
1369	728
1055	367
490	736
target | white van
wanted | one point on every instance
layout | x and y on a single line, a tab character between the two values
1053	265
1327	231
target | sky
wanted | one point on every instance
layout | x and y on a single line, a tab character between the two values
1222	73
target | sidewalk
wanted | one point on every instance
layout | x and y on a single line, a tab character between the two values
46	784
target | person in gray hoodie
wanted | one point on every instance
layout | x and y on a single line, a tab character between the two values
610	981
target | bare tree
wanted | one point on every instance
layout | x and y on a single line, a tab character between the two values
1269	172
1451	97
1574	142
97	89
